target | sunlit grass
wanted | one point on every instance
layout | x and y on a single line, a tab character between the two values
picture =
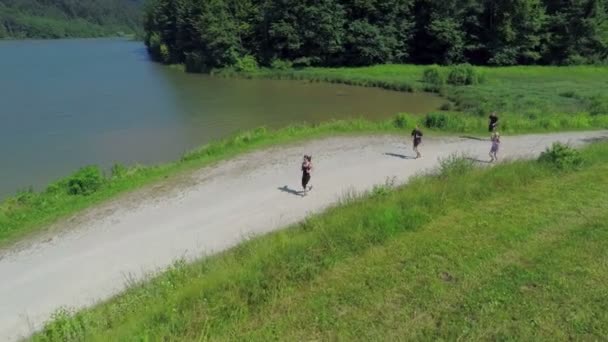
515	251
29	211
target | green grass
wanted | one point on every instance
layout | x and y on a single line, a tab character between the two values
513	252
30	212
527	91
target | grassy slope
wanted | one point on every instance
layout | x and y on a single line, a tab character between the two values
510	252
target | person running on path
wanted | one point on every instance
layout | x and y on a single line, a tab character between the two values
417	135
495	146
306	170
493	122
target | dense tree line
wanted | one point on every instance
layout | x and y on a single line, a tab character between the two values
215	33
68	18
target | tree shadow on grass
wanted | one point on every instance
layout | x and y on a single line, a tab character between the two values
396	155
291	191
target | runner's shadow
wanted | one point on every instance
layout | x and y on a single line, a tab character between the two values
288	190
596	139
398	155
479	160
472	138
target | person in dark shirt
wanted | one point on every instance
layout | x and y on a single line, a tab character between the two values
493	122
417	135
495	138
306	170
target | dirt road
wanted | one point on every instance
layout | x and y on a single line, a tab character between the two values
92	256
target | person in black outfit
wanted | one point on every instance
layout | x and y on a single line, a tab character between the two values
417	135
493	122
306	169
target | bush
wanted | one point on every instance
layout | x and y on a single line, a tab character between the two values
454	164
436	120
463	74
433	76
381	190
598	105
446	106
165	54
85	181
118	171
562	157
304	62
402	121
246	63
279	64
66	326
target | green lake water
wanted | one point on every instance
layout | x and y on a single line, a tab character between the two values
69	103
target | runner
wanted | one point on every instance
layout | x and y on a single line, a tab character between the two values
417	134
306	169
495	145
493	122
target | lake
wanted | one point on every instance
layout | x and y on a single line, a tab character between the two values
65	104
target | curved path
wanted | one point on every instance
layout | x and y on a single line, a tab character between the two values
95	254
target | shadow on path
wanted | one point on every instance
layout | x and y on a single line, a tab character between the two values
398	155
596	139
479	160
473	138
289	190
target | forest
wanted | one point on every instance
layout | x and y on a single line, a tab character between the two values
69	18
217	33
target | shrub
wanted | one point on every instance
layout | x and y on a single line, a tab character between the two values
25	196
598	105
66	326
303	62
280	64
118	171
401	121
463	74
576	60
433	76
446	106
380	190
246	63
85	181
561	156
454	164
436	120
165	54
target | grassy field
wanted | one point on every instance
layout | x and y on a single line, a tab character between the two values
527	91
513	252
